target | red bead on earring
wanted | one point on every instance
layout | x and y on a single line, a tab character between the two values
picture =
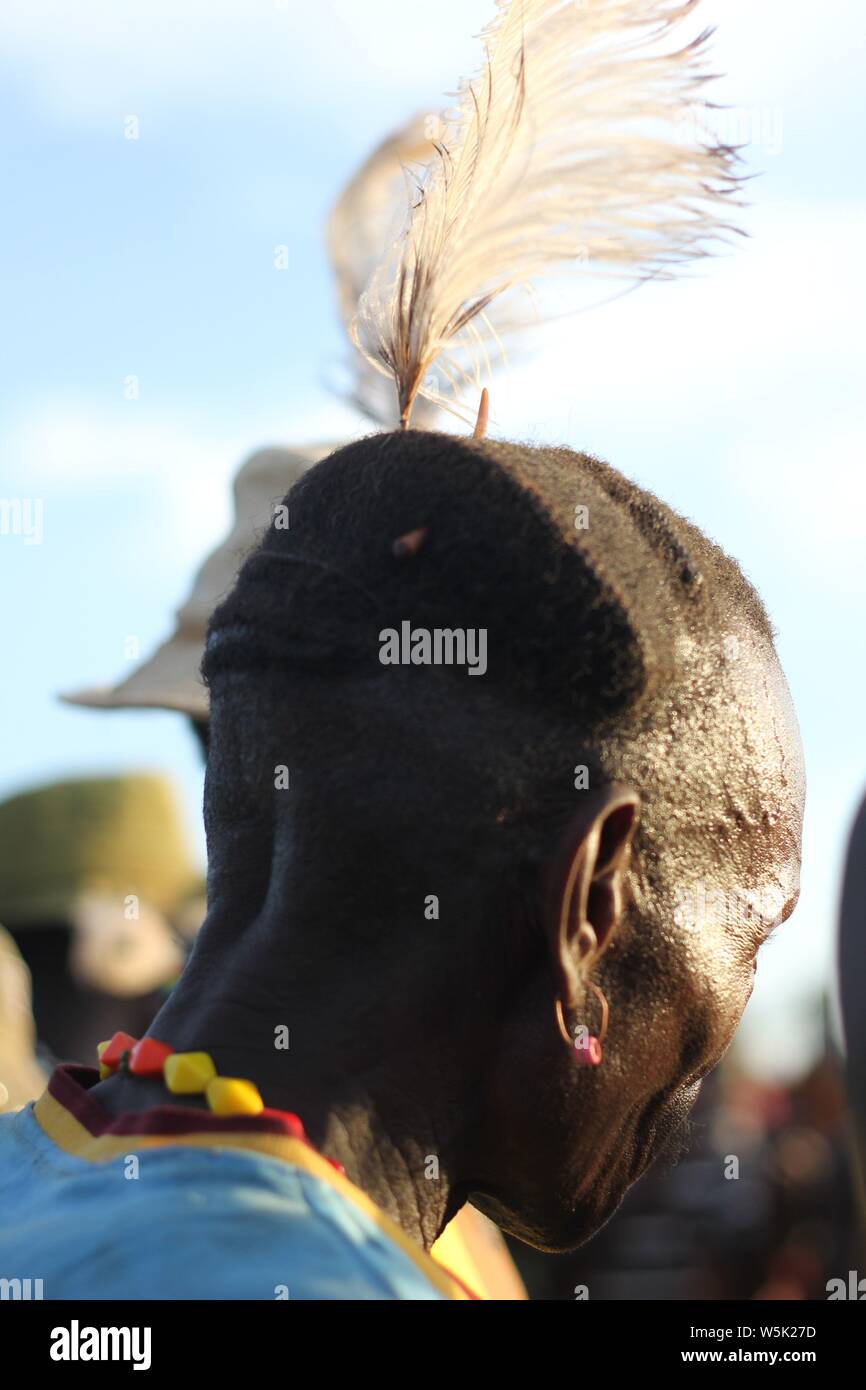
587	1051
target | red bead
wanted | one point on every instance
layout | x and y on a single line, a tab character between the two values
293	1123
588	1052
120	1043
148	1056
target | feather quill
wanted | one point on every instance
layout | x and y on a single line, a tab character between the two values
567	152
371	212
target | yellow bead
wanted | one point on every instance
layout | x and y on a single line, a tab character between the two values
228	1095
104	1071
188	1073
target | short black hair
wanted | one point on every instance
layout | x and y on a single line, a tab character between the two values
606	615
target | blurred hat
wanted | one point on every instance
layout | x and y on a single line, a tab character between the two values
116	837
169	679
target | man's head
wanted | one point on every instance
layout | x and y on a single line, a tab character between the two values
616	799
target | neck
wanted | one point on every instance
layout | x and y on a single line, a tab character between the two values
374	1064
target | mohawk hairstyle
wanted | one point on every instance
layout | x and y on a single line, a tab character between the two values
585	622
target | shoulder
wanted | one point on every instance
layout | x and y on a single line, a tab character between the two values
185	1222
261	1228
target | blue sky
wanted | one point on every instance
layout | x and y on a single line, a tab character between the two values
736	395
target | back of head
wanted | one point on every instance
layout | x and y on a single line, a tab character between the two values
614	636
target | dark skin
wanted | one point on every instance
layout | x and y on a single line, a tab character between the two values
403	1056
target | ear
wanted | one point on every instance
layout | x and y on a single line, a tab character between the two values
584	882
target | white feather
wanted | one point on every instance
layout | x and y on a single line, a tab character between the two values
370	213
568	151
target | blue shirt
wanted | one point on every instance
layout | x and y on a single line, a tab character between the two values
179	1204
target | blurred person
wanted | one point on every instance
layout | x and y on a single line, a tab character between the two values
91	871
852	989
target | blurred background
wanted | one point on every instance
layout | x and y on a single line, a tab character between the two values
169	308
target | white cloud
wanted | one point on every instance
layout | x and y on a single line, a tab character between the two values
87	61
179	467
761	357
171	466
91	60
745	321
